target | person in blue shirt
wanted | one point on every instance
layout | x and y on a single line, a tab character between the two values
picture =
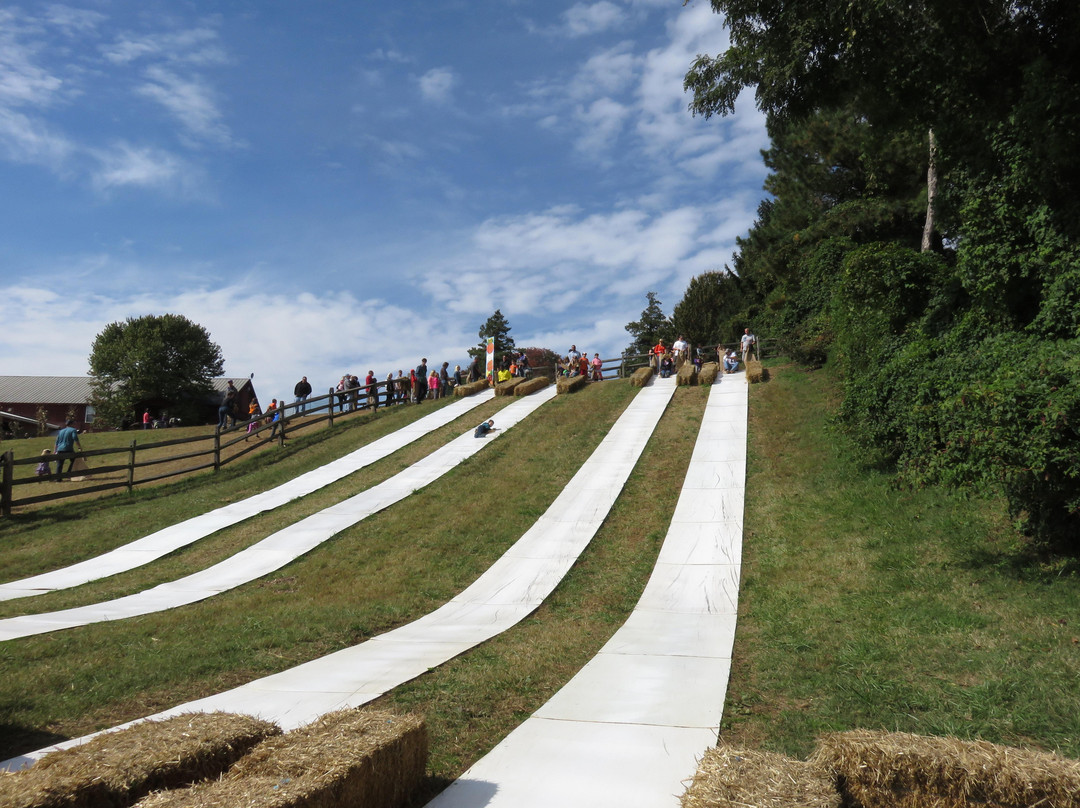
66	441
484	428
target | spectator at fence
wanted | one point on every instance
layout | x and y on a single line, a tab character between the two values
574	355
253	417
433	385
342	392
597	368
444	379
401	392
42	469
474	370
302	391
371	389
457	377
583	365
421	380
66	441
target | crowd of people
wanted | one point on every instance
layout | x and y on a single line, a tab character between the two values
668	359
577	363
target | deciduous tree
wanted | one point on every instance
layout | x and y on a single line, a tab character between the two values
156	357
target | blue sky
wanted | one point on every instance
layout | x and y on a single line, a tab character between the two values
344	186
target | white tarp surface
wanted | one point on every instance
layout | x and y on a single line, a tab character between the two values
166	540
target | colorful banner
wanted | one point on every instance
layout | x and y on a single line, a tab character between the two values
491	358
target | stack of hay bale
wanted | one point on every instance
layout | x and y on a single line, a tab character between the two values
507	388
864	769
345	759
531	385
708	374
469	389
118	768
641	376
570	384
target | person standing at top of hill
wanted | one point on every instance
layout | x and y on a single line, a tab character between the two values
474	370
302	391
66	441
421	380
747	342
574	355
680	348
658	351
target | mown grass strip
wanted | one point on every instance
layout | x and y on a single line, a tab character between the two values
867	606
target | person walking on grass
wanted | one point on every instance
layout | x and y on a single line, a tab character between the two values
66	441
302	391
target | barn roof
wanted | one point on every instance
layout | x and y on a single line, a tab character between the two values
44	389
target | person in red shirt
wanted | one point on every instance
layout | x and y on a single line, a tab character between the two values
659	351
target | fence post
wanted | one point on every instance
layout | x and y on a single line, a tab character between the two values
217	448
330	407
281	435
5	483
131	467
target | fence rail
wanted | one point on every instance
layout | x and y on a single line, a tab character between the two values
291	417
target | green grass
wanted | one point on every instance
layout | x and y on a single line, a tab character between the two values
861	606
904	610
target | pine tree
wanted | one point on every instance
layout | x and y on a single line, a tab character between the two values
495	326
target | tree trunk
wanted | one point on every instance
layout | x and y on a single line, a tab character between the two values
931	196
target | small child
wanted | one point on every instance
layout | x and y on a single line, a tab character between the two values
484	428
42	469
433	385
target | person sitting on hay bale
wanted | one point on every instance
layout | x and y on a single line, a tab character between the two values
731	361
666	367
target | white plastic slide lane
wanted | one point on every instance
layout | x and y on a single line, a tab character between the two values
277	549
504	595
629	729
163	542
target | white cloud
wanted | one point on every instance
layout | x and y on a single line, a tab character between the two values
591	18
27	140
600	122
139	166
438	84
190	101
278	337
193	46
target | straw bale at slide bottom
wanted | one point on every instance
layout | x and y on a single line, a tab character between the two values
708	374
570	384
117	768
641	377
733	778
507	388
351	759
463	390
530	386
899	770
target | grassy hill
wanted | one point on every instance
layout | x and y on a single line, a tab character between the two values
861	605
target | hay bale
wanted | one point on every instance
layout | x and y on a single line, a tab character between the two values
118	768
755	371
469	389
531	385
349	758
507	388
708	374
642	376
570	384
686	376
733	778
900	770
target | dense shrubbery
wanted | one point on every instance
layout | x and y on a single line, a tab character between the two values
956	334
